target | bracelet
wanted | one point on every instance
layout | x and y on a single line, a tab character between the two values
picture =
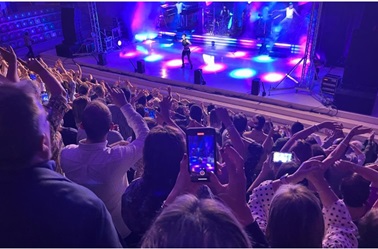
283	179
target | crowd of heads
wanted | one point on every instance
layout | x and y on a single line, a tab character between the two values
30	134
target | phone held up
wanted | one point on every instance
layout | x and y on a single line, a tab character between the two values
201	146
44	97
282	157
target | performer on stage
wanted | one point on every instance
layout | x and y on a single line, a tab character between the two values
286	22
186	51
224	18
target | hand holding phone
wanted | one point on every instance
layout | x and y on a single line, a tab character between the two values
282	157
44	97
201	145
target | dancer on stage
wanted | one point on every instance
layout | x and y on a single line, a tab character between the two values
186	51
286	22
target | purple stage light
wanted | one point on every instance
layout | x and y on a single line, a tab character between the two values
128	54
173	63
272	77
216	67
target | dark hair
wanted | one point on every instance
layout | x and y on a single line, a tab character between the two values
318	150
259	125
83	89
368	229
296	127
20	134
286	168
196	223
99	90
302	150
162	153
97	120
140	109
295	218
210	107
355	190
78	106
142	100
240	122
196	113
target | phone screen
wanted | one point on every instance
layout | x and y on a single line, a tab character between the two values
201	153
281	157
33	76
44	97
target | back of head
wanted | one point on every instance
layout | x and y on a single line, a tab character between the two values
214	120
240	122
83	90
295	218
196	113
162	153
19	133
302	150
99	90
355	190
97	120
259	121
318	150
368	229
196	223
296	127
78	107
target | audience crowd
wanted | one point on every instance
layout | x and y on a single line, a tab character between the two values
89	163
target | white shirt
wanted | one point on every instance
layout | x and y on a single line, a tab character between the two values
179	7
101	168
289	13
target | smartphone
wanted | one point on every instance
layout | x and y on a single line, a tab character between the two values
44	97
282	157
201	146
151	112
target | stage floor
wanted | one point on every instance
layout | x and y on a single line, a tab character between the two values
226	68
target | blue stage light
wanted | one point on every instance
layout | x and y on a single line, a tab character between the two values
243	73
263	59
153	57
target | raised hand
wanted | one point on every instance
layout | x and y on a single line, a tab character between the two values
330	125
117	96
359	130
8	55
222	114
35	66
344	165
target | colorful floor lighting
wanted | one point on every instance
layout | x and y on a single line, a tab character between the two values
141	49
213	68
263	59
153	57
128	54
174	63
237	54
273	77
243	73
166	45
294	61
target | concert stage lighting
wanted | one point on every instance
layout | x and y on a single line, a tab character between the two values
263	59
243	73
273	77
153	57
119	43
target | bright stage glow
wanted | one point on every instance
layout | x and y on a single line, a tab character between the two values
208	59
144	36
128	54
141	49
273	77
213	68
243	73
164	73
166	45
263	59
237	54
148	42
174	63
294	61
119	43
153	57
